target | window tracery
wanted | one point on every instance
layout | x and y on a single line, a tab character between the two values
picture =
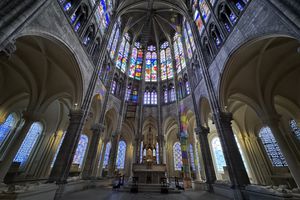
272	149
177	156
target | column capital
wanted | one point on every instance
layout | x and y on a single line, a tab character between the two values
76	115
202	130
226	116
97	127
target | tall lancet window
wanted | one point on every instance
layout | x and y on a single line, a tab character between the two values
218	154
157	153
141	152
177	156
154	97
121	155
136	62
106	155
151	65
179	55
102	14
114	43
295	128
29	142
123	53
166	68
271	147
204	9
80	150
6	127
192	158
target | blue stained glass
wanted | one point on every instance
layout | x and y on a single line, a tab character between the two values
295	129
271	147
106	155
67	6
28	143
157	153
58	148
6	128
77	26
177	156
218	153
80	150
192	158
141	152
121	155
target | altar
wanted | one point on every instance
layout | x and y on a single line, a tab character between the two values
148	170
149	174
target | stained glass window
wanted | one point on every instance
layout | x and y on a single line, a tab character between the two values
128	92
179	55
166	62
147	97
106	155
177	156
121	155
6	127
111	39
190	35
163	65
157	153
134	96
138	66
271	147
197	18
187	87
141	152
57	150
80	150
218	154
165	95
28	143
192	158
295	128
204	9
113	87
153	97
170	72
123	53
187	43
114	43
133	58
102	14
148	67
172	94
151	65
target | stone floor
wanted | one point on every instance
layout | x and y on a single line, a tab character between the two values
108	194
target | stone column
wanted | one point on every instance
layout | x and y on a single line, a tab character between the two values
99	172
113	154
92	152
290	157
208	166
236	169
63	162
29	119
137	150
